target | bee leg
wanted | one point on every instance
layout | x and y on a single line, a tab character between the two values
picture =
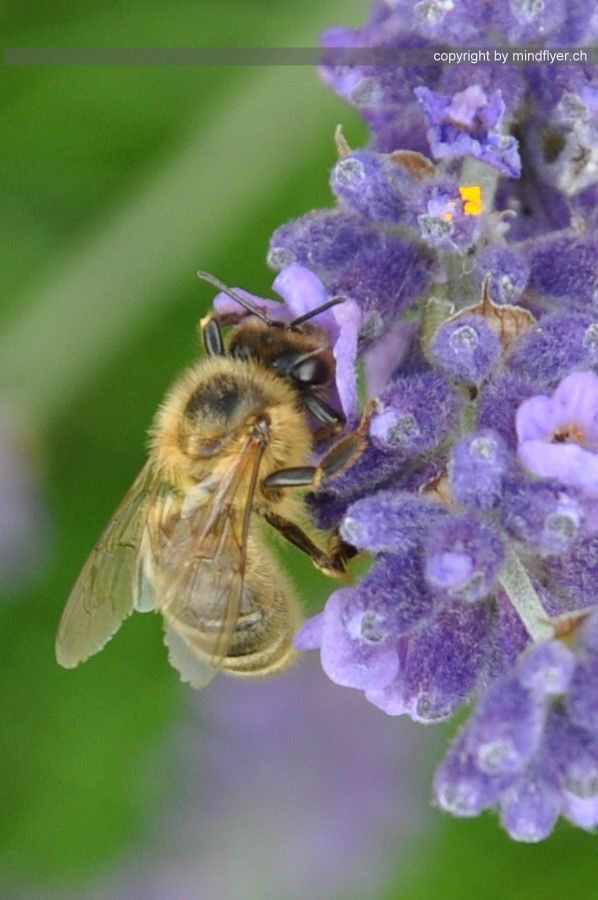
331	563
344	453
211	334
332	421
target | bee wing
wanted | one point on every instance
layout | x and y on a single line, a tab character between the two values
200	570
104	593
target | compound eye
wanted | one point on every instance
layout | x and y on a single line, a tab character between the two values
311	371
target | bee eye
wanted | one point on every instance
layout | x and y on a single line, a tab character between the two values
283	364
312	371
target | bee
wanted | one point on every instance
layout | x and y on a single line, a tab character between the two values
231	437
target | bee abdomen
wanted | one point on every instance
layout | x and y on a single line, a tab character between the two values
262	642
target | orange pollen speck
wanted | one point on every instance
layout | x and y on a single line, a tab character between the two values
447	214
472	199
569	434
471	195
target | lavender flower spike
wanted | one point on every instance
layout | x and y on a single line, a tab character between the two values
475	495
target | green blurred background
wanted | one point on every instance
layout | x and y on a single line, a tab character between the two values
119	183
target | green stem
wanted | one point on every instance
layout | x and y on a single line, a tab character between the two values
476	172
522	595
461	291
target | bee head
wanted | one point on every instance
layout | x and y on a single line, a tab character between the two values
298	351
300	355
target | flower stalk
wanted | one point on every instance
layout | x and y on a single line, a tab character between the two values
524	599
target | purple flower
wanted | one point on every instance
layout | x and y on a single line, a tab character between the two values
530	748
565	267
443	222
355	649
553	349
478	468
441	660
508	270
558	435
544	516
469	124
404	423
464	557
375	186
466	349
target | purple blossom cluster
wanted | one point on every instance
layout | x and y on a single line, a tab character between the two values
476	494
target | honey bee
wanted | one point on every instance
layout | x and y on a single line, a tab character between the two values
232	435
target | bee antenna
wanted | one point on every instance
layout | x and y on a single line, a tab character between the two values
316	312
246	304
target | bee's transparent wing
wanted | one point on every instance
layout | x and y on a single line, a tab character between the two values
105	592
200	570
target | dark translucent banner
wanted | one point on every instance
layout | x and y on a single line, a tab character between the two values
295	56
